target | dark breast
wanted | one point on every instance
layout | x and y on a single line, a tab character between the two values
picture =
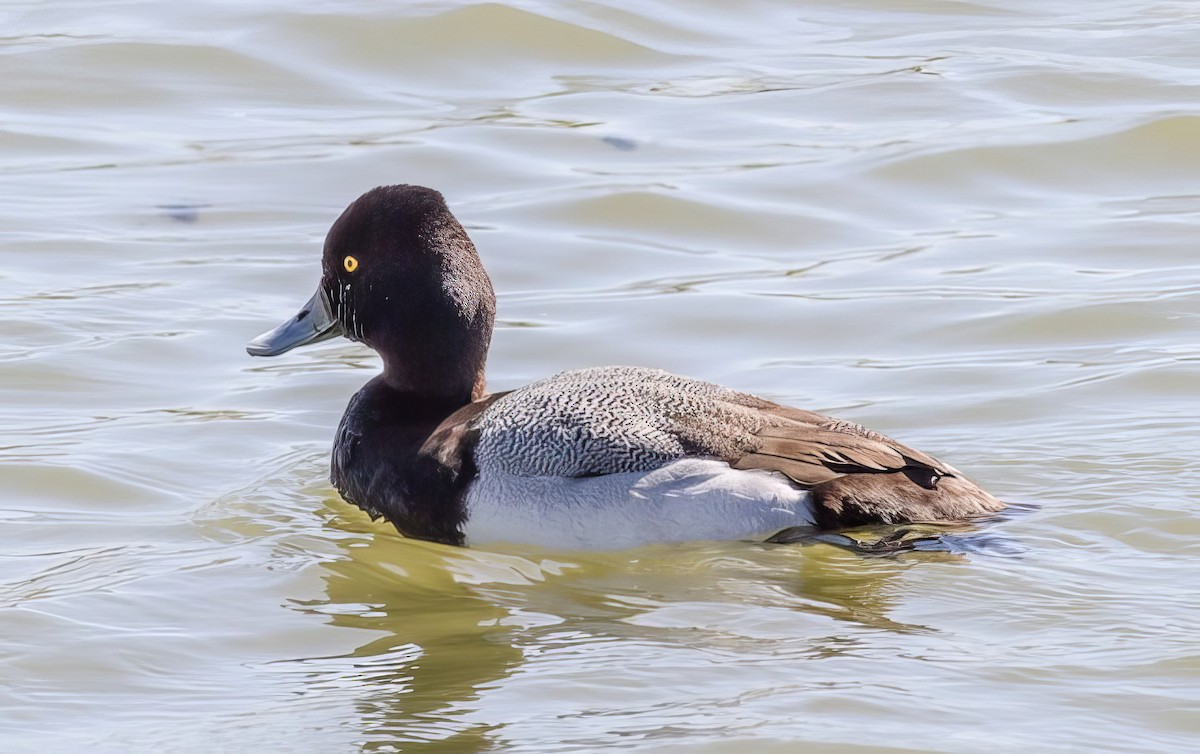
402	458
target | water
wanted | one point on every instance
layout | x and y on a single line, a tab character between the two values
970	225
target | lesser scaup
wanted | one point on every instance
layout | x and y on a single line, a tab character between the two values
602	457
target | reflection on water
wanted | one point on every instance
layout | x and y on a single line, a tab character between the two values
970	226
454	624
453	628
414	683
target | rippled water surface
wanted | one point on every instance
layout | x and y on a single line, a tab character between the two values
971	225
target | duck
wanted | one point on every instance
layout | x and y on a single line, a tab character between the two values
592	458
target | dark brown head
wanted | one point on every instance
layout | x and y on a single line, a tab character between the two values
400	274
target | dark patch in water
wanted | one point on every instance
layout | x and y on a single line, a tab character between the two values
621	143
184	213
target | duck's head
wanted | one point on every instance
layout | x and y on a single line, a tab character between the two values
400	275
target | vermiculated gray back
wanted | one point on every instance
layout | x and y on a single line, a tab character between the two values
608	420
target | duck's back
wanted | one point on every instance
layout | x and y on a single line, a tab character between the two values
611	420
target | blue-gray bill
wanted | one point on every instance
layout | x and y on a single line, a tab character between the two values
313	323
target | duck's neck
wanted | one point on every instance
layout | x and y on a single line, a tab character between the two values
442	389
440	350
442	361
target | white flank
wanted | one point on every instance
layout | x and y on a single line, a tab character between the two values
687	500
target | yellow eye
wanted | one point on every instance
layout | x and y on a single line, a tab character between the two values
350	263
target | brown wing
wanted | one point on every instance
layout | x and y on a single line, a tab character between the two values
449	442
858	476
